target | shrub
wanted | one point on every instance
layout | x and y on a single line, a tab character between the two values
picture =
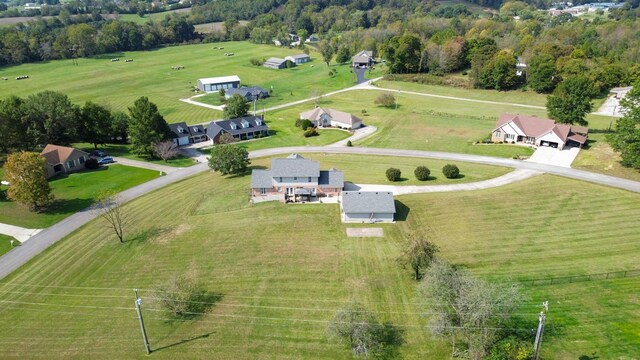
385	99
450	171
306	124
422	173
364	111
349	144
221	92
298	123
311	132
393	174
256	61
91	164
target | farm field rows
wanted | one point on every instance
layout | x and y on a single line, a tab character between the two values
73	193
278	272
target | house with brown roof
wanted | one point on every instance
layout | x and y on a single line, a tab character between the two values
63	159
330	117
535	131
295	179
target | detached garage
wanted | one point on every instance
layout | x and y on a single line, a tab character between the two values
367	206
217	83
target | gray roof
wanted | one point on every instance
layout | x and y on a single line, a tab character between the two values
366	202
261	179
299	56
253	121
294	166
247	90
274	60
331	178
175	130
196	130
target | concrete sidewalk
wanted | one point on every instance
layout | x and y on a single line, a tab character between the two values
516	175
18	233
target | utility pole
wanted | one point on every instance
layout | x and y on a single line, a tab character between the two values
538	342
144	332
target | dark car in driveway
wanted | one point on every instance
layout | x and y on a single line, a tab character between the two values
98	153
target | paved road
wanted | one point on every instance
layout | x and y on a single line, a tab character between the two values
47	237
607	180
517	175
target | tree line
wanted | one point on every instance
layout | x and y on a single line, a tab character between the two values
49	117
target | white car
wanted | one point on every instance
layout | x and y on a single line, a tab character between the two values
5	183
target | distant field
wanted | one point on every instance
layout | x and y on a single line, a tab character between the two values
74	193
150	17
75	300
214	26
119	84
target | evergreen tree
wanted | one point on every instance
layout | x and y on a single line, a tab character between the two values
146	127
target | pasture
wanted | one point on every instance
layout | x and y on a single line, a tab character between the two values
73	193
277	273
5	243
118	84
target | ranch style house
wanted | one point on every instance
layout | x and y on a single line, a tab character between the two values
295	179
329	117
535	131
243	128
183	134
63	159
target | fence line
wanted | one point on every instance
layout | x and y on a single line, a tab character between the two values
582	278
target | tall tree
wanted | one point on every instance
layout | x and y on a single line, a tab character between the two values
626	136
146	127
541	73
229	159
343	55
52	117
403	54
13	127
359	329
236	107
95	124
500	72
466	308
326	49
571	100
119	127
27	174
418	254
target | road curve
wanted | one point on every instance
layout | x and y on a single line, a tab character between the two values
40	242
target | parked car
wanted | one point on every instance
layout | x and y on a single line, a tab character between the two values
105	160
98	153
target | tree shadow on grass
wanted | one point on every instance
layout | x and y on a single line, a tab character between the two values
66	206
391	338
183	341
146	234
246	172
198	305
593	356
402	211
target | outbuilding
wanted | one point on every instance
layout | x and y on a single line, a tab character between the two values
275	63
298	58
217	83
367	206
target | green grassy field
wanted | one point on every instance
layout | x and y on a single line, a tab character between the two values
150	17
119	84
418	123
5	243
121	150
279	288
361	169
74	193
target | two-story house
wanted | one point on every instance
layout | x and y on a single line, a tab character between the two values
295	179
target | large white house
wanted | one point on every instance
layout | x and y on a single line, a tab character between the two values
535	131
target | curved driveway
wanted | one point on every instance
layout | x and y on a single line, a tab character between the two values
20	255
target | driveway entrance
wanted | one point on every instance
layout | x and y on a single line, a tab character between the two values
553	156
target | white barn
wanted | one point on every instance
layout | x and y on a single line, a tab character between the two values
367	206
216	83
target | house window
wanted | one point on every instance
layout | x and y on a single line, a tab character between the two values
295	178
498	134
71	164
81	160
263	191
509	136
309	180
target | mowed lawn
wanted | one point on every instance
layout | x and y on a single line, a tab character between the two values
281	271
73	193
118	84
5	243
364	169
419	123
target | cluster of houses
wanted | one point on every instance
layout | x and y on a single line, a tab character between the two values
295	179
569	8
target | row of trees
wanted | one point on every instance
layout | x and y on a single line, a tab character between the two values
49	117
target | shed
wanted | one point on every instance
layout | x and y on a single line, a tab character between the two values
367	206
275	63
298	58
217	83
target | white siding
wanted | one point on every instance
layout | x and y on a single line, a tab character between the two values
366	218
551	137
